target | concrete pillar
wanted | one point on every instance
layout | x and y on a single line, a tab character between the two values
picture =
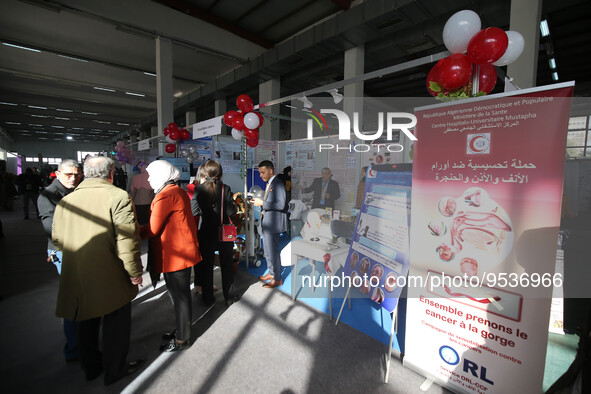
354	66
220	107
270	90
190	118
525	18
164	85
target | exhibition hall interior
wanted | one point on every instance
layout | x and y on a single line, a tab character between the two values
306	196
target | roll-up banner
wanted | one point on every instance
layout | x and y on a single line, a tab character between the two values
486	200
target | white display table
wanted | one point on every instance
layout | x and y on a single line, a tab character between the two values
316	252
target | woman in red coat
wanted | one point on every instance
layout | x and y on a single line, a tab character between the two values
174	245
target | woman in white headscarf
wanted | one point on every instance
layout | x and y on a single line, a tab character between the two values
174	246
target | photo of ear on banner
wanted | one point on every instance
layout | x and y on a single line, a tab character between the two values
245	123
470	70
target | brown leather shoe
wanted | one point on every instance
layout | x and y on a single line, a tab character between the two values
273	283
266	277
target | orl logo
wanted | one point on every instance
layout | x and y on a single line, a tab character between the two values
345	124
449	355
478	144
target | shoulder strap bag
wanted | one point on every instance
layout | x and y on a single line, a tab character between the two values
226	232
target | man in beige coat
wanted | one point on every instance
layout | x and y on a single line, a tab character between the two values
95	228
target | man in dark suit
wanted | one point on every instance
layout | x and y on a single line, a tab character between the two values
274	221
326	191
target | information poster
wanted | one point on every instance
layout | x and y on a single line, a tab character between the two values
378	259
487	188
228	154
202	146
267	150
342	164
182	166
301	155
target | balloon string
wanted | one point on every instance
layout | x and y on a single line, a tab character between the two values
475	79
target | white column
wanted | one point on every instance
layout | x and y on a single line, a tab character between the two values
270	90
354	66
164	86
525	18
220	107
154	131
190	118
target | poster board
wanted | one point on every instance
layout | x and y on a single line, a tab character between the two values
182	166
487	188
378	258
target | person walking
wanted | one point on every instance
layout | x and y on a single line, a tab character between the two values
29	185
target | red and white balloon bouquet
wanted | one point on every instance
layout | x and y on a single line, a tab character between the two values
244	122
475	53
173	134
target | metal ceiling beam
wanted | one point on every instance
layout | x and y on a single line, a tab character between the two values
343	4
196	12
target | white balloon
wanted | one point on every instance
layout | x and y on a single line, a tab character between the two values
184	153
256	191
251	120
170	140
189	159
192	149
237	134
514	49
459	30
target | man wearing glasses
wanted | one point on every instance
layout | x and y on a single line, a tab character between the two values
68	176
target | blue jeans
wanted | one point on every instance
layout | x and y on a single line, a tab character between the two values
70	326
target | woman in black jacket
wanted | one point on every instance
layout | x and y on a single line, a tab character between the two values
207	200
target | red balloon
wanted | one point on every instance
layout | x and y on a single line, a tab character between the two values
487	78
229	117
170	148
166	131
174	135
244	103
261	118
238	123
185	135
433	77
455	71
173	126
251	133
252	142
487	46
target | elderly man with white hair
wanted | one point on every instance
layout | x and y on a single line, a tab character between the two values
95	228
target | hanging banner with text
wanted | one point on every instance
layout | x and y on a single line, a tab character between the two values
378	259
486	199
207	128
